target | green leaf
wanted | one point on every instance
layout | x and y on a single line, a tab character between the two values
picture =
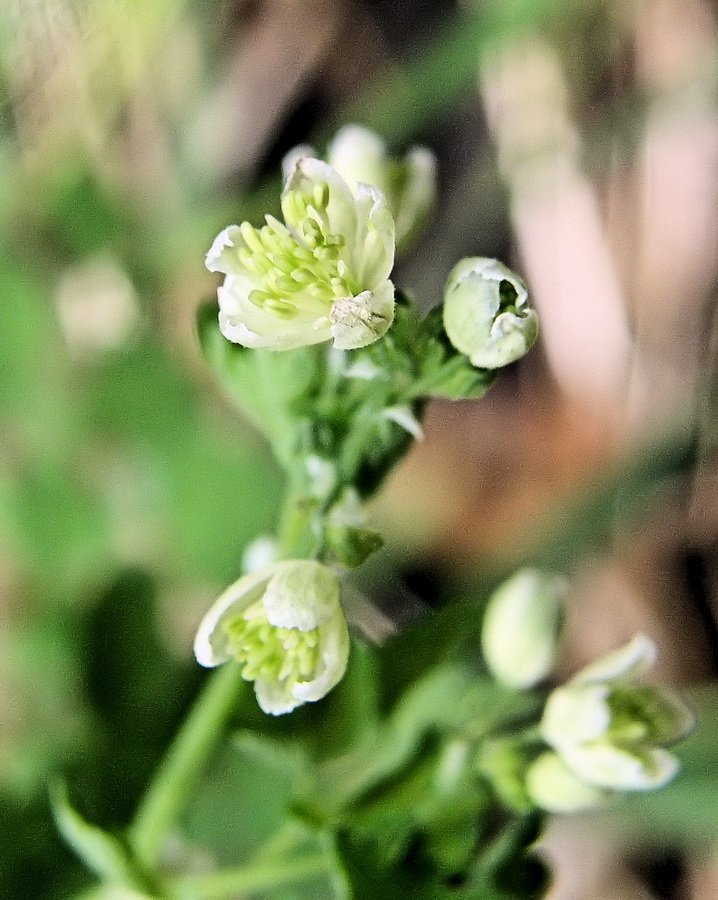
445	372
271	388
101	852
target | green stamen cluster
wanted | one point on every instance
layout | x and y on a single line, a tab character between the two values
300	266
269	652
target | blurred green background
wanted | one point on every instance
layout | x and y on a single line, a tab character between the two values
578	140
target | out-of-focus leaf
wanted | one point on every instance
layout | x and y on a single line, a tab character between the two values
62	528
241	803
103	853
270	388
137	693
444	700
505	871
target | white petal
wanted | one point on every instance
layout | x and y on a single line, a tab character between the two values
372	254
243	322
301	594
361	320
293	156
521	626
359	155
628	662
575	714
419	195
222	255
334	648
211	642
555	788
341	210
403	416
607	766
275	697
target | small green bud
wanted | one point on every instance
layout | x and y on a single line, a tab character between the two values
284	625
612	732
521	628
552	786
486	313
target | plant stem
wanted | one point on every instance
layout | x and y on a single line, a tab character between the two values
262	875
294	534
176	778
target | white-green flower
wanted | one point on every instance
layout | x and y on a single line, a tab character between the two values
284	625
521	627
321	275
409	184
612	732
486	313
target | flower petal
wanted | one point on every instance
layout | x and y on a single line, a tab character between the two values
557	789
243	322
359	155
418	197
605	765
372	253
624	664
275	697
334	648
361	320
575	714
341	211
211	642
301	594
222	256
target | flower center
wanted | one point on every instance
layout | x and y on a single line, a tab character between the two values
269	652
298	269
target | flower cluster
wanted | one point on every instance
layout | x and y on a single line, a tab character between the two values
284	625
607	732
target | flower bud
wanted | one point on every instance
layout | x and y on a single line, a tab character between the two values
521	628
610	731
322	274
284	625
409	184
486	313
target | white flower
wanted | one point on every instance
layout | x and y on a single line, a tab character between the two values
611	732
284	625
322	275
486	313
521	628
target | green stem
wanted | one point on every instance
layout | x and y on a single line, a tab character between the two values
176	778
261	876
294	535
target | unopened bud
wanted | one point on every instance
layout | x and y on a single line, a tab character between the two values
521	628
486	313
